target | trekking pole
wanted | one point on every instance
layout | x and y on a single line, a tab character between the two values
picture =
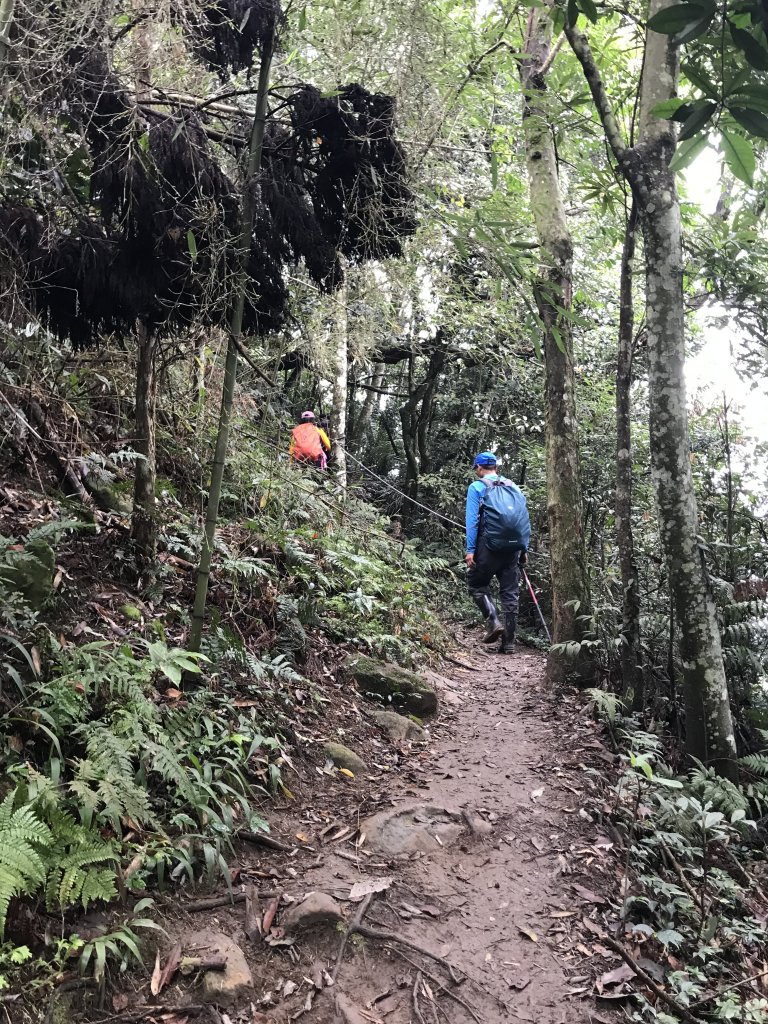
538	607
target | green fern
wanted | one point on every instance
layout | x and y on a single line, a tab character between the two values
23	842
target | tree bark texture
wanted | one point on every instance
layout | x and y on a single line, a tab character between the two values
631	656
6	21
364	417
570	581
143	521
249	191
338	418
709	726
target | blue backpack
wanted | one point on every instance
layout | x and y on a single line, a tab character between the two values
506	524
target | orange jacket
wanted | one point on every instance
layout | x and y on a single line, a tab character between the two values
308	441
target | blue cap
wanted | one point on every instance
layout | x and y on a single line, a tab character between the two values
485	459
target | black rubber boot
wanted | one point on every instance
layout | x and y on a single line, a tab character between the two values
493	626
508	639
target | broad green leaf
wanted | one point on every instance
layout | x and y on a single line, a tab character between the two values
753	50
572	12
588	7
144	142
754	122
693	30
674	19
703	111
739	156
687	152
753	96
302	19
667	108
698	78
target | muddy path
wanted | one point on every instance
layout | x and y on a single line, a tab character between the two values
486	848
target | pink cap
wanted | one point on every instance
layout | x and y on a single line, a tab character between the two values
308	415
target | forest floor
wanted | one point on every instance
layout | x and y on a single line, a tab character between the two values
511	884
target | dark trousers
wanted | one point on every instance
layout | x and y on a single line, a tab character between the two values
505	565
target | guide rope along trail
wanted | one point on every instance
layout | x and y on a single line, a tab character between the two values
451	522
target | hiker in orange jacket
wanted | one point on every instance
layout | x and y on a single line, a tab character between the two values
309	443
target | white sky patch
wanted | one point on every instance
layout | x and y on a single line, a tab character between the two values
712	373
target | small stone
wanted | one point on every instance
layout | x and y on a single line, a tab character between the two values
397	727
317	908
343	757
233	985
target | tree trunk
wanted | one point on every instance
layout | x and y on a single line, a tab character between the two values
338	418
143	525
250	187
709	727
568	566
730	494
6	20
631	656
363	419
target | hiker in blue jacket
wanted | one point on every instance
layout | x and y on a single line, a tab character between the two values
498	535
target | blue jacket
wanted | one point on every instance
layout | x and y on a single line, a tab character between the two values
475	494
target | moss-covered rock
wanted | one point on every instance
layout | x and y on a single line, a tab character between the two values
397	727
343	757
391	684
293	641
30	572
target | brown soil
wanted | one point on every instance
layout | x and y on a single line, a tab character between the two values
508	905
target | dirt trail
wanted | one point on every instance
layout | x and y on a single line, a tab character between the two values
497	902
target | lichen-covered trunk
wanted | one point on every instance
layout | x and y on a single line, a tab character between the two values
364	417
570	580
143	525
631	654
338	418
708	725
6	21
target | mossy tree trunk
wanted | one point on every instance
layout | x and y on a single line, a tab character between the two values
554	287
249	192
708	722
631	653
143	522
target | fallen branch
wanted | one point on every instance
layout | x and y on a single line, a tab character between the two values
382	936
261	839
728	988
677	868
143	1012
461	664
213	902
256	369
354	927
682	1012
441	987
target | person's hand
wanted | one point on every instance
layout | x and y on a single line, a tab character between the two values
470	560
523	558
